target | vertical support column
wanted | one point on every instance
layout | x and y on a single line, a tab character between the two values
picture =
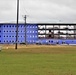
45	31
25	31
74	32
53	31
59	33
66	32
17	24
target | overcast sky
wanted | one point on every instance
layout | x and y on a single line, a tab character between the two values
39	11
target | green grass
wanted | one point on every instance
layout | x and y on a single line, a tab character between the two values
38	61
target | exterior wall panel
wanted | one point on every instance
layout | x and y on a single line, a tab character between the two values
8	33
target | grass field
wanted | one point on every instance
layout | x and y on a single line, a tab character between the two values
38	60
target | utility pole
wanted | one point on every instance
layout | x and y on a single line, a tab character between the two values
25	31
17	24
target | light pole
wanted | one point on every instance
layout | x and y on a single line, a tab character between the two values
17	24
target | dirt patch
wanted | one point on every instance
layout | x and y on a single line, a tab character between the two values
53	49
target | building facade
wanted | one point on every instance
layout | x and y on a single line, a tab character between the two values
38	33
8	33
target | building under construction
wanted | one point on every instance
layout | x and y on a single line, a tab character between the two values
47	33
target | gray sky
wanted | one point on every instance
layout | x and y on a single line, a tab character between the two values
39	11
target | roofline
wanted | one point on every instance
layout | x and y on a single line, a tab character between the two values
44	23
57	23
18	23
